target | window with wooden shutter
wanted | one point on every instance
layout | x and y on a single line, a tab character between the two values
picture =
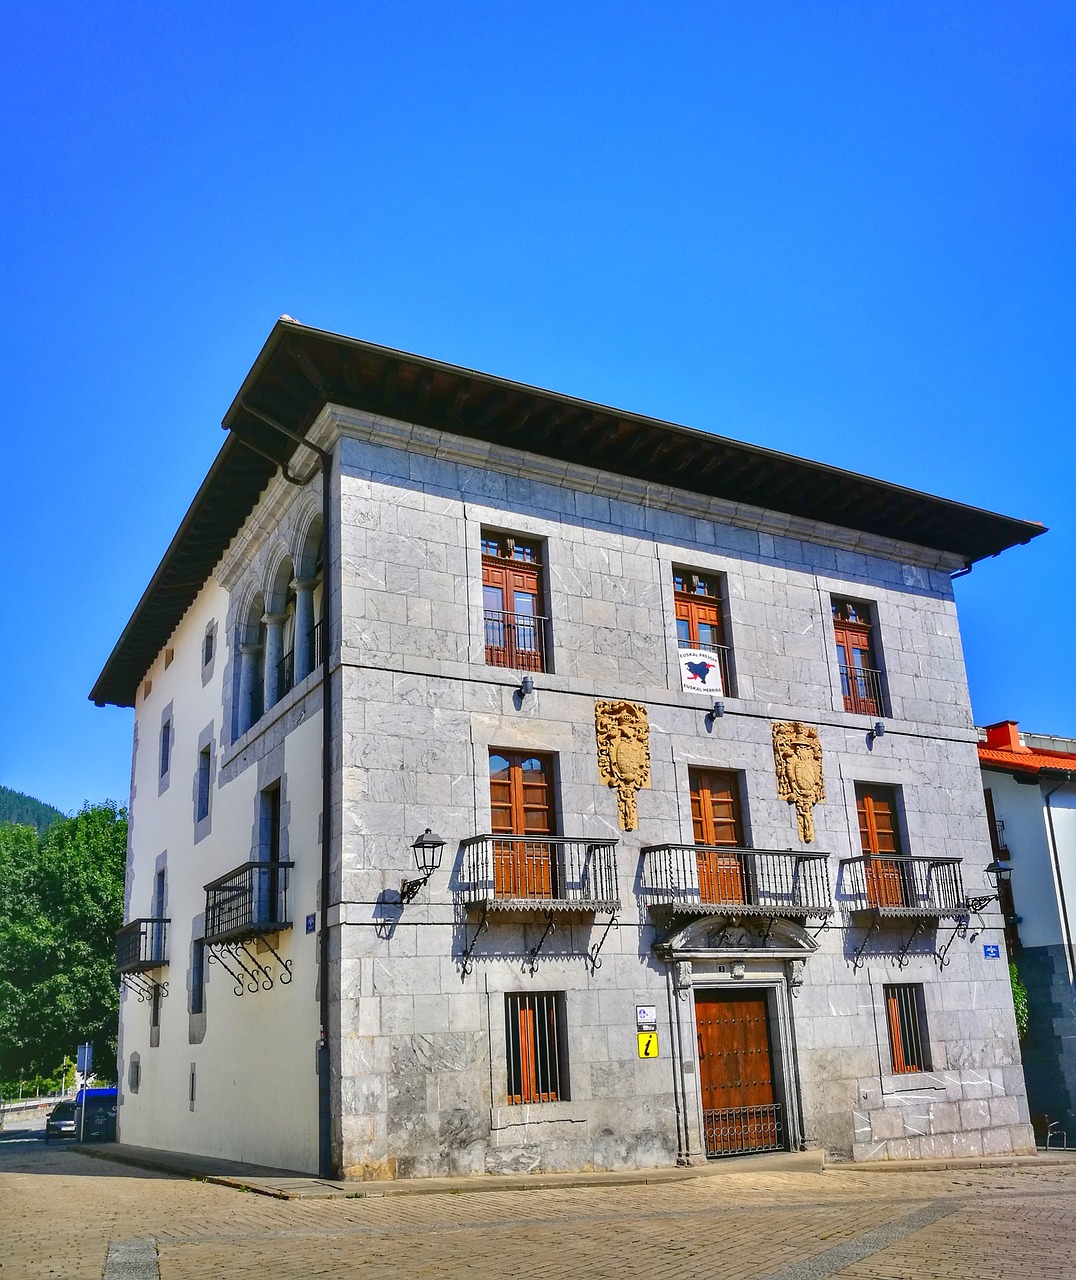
522	806
861	678
876	809
536	1048
716	821
909	1048
512	603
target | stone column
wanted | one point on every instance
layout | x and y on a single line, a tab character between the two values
248	683
274	651
304	626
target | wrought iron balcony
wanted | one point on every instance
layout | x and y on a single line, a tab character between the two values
249	902
721	652
901	886
142	945
516	640
548	873
1001	847
862	690
285	673
722	879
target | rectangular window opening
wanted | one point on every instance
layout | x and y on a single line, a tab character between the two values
717	823
205	765
198	976
536	1048
909	1048
166	747
700	625
522	811
857	657
513	603
887	876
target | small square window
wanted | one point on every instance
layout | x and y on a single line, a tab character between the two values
909	1049
536	1048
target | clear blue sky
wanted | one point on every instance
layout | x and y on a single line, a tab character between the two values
844	230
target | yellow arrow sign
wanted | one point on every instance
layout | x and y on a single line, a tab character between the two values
648	1044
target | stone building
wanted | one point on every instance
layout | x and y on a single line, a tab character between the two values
1030	785
641	826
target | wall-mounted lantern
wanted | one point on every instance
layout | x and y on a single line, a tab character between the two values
427	849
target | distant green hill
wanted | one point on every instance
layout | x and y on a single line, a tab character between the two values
15	807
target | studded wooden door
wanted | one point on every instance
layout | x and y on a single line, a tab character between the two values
740	1112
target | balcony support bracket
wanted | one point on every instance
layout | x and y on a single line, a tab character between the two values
144	987
592	955
467	959
217	954
550	926
902	955
827	922
857	959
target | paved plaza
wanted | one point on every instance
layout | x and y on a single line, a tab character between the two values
65	1214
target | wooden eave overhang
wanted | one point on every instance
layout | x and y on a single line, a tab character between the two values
300	370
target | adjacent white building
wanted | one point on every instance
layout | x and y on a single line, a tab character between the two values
641	828
1030	785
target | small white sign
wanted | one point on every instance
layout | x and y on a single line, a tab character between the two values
700	671
646	1013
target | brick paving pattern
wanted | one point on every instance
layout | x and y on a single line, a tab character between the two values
59	1211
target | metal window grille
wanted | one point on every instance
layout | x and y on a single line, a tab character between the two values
734	1131
908	1047
536	1048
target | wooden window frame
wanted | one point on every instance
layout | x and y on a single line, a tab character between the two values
721	875
536	1048
694	607
861	693
884	874
515	566
524	870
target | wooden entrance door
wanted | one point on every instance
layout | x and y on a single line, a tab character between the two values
739	1109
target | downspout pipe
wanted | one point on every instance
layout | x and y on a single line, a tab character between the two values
1066	928
325	1162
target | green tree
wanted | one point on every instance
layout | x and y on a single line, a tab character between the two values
61	902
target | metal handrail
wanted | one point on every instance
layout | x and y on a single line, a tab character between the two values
520	872
861	688
722	878
248	901
516	640
899	884
141	945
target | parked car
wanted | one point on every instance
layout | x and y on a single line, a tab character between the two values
61	1122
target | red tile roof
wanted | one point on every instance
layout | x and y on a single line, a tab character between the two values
1026	761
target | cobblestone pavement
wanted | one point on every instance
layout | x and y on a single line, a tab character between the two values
59	1212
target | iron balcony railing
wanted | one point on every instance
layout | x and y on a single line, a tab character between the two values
142	945
250	901
1002	846
719	878
285	673
899	885
861	688
734	1131
548	872
516	640
724	666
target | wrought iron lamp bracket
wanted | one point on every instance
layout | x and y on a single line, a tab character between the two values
592	954
959	931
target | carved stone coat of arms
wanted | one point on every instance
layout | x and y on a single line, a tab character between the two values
623	754
797	754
